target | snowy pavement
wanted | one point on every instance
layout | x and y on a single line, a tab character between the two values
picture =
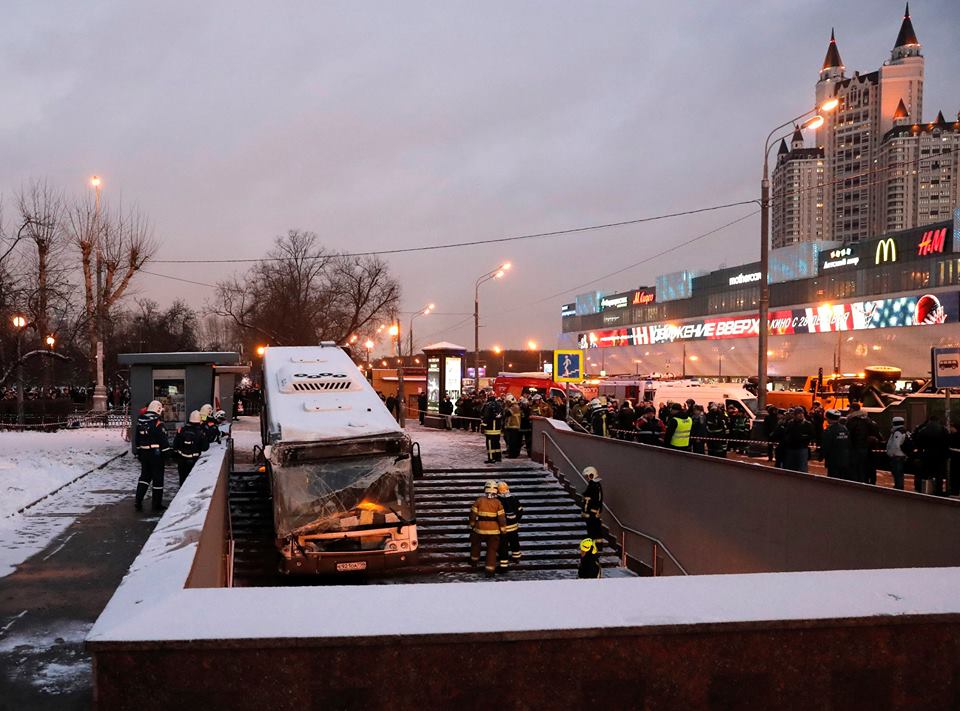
35	463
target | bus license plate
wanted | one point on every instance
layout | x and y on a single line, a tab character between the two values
358	565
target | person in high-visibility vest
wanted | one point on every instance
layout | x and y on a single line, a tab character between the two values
593	505
492	416
678	428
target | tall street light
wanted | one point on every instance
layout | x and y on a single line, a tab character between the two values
394	332
369	346
422	312
813	122
532	345
503	356
100	391
493	274
20	324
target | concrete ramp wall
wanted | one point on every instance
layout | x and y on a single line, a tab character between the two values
723	516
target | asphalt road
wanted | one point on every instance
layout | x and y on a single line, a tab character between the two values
52	600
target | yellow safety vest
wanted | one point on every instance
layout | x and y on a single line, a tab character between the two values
681	436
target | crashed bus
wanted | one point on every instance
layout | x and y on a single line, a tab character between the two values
340	466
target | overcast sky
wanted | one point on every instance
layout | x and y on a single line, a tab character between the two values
394	124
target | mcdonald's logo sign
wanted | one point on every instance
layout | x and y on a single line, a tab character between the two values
886	251
932	242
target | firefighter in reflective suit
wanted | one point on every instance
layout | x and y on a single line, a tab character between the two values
510	539
151	444
492	416
593	505
487	522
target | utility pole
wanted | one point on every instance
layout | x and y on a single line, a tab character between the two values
100	391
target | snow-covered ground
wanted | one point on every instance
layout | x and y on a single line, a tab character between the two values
32	464
35	463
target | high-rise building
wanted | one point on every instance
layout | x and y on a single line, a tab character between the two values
876	176
797	204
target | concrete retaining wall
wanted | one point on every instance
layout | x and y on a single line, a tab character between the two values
724	516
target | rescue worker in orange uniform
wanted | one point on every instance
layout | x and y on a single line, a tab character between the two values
487	523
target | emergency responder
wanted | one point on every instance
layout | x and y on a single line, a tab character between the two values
739	429
492	416
188	444
593	504
679	427
835	447
540	407
526	428
210	427
649	428
589	560
152	444
600	418
487	522
510	538
717	430
511	426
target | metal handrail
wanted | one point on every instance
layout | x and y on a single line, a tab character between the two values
623	527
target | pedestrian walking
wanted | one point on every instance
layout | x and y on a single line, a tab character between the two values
487	521
895	450
593	504
151	444
835	447
510	537
188	444
589	560
421	405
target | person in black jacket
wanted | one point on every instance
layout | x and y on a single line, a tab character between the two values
626	416
510	535
649	428
932	440
589	560
151	444
188	444
864	436
797	436
593	505
835	447
421	405
770	423
492	416
717	429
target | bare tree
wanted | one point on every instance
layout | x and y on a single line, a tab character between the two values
303	294
42	212
113	246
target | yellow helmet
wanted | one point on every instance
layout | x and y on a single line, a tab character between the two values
490	487
588	546
502	487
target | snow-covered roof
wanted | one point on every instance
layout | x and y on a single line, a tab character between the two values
443	346
317	393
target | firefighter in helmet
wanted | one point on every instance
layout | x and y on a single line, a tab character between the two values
487	523
589	560
593	505
510	538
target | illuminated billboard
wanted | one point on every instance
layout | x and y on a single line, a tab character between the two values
926	310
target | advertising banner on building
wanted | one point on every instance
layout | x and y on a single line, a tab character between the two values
925	310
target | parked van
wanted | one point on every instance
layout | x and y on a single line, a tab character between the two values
526	384
658	392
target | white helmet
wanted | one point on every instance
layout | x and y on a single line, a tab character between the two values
590	473
155	406
206	411
220	415
510	397
195	417
490	487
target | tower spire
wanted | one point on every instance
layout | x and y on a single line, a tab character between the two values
907	37
832	60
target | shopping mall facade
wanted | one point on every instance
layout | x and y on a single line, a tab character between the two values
883	301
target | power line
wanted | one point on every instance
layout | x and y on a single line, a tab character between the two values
473	243
186	281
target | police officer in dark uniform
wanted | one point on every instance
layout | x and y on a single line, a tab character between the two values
593	505
189	443
151	444
510	537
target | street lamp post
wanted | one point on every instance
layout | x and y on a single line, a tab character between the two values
425	311
764	302
503	356
494	274
20	324
532	345
369	346
100	391
395	332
